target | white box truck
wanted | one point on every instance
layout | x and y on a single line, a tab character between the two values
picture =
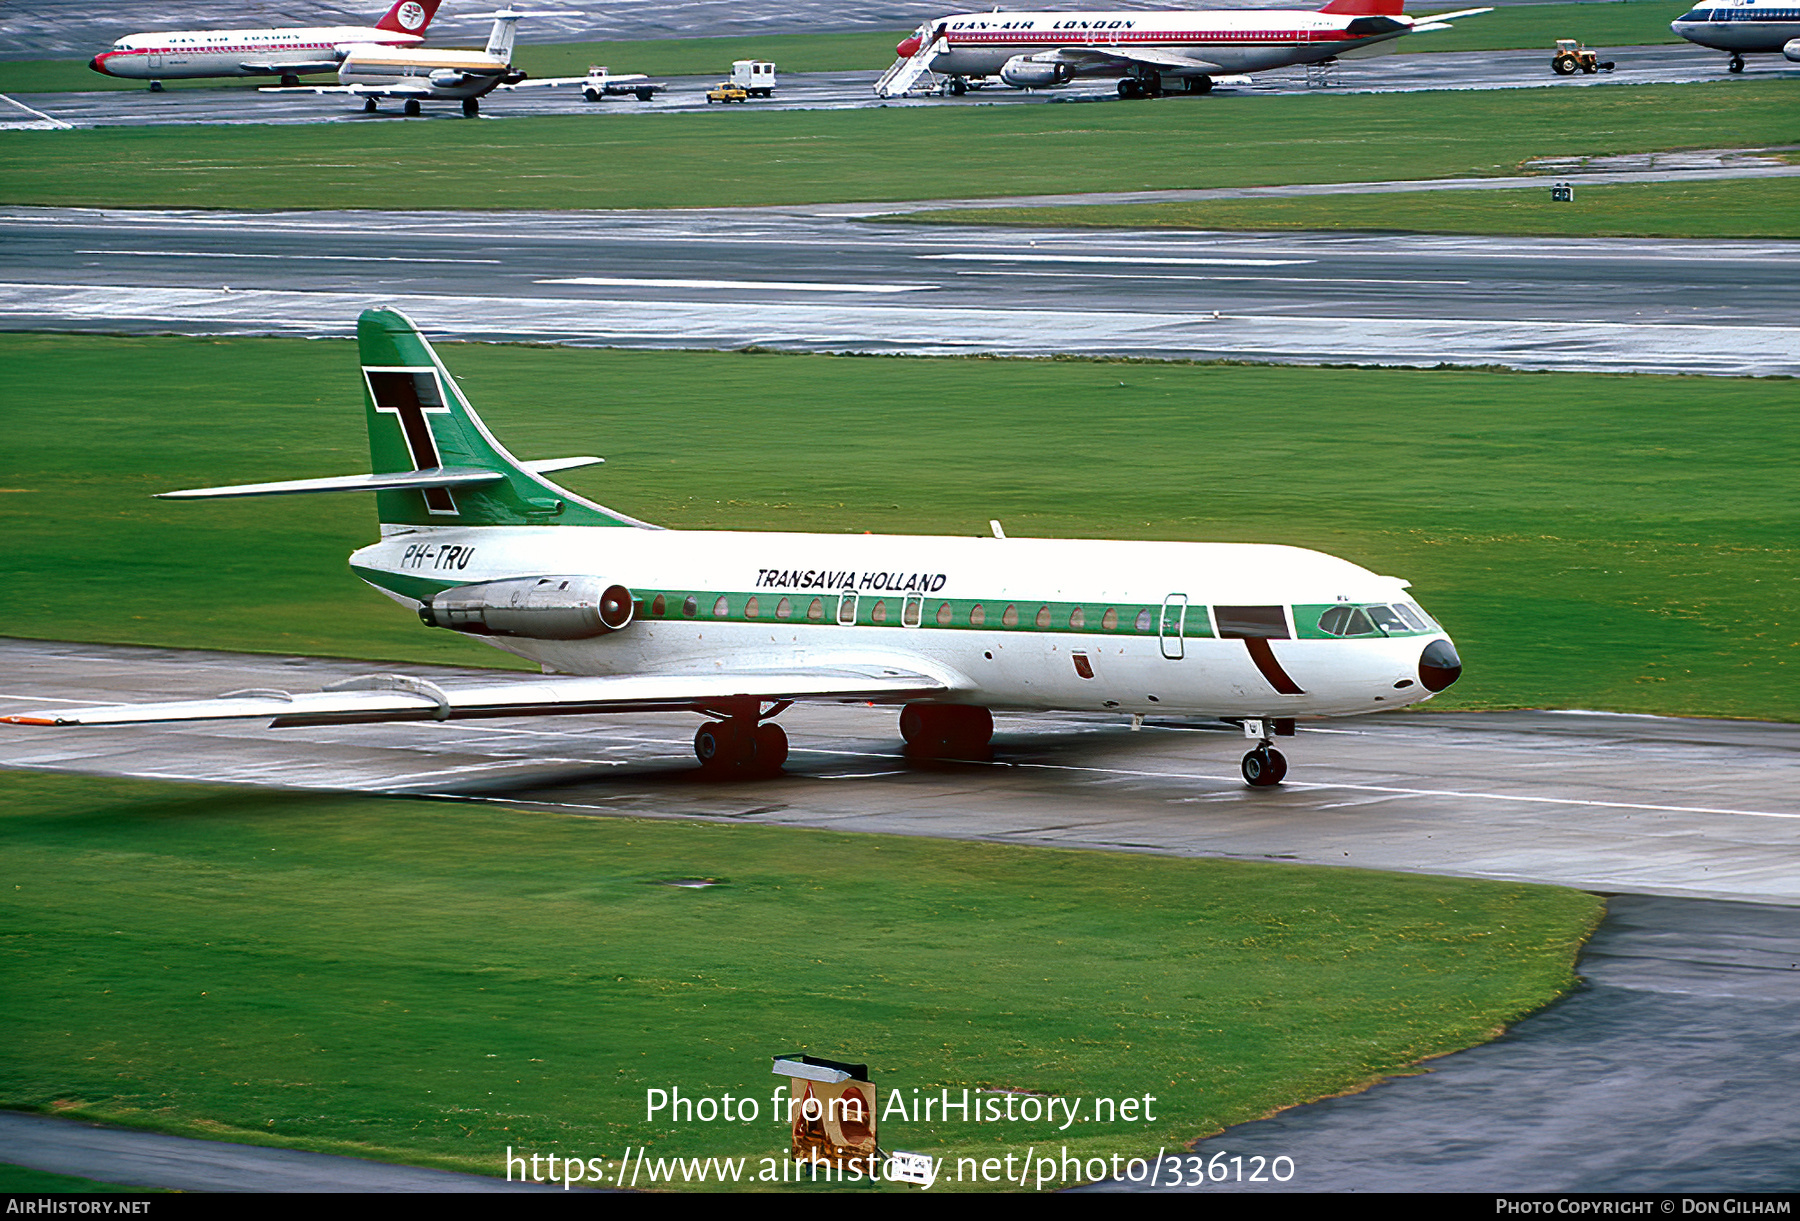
754	76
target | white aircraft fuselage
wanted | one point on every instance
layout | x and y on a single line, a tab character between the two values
189	54
1742	28
979	44
1010	623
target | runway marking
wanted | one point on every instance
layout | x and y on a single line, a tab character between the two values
325	258
1115	275
797	286
1151	260
1300	786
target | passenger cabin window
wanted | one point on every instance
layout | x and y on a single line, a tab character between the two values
977	615
1143	621
1043	616
816	612
1110	620
751	609
721	608
879	614
1076	619
1010	617
691	606
1251	622
784	609
659	606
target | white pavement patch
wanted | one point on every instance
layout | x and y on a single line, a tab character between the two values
1522	343
784	286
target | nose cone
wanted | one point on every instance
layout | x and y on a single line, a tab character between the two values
97	66
909	48
1439	666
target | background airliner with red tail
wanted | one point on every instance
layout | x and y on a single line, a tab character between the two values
286	52
1150	52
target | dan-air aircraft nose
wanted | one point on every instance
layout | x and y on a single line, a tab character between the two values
1439	666
97	66
909	48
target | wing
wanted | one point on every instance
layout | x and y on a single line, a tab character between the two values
552	82
361	91
400	697
276	69
1100	57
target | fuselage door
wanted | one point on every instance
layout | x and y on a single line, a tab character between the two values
1174	621
846	614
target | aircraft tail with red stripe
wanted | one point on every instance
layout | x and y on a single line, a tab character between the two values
411	16
1365	8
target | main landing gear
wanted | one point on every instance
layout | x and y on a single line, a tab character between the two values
471	108
368	105
411	107
946	731
1736	64
1264	767
744	742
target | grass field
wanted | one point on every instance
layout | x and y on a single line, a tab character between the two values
1614	542
1633	23
767	157
1742	208
432	983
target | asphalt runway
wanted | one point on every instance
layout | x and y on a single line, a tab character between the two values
1618	804
815	279
1683	64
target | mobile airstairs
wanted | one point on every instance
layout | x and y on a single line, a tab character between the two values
900	79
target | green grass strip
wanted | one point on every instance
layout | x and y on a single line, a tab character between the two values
1619	542
617	160
1625	23
432	983
1717	208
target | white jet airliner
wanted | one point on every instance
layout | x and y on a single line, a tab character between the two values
1743	27
1149	52
370	72
626	617
286	52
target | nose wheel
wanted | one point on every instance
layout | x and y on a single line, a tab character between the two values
1264	767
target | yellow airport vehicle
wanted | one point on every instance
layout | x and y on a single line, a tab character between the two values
725	91
1571	57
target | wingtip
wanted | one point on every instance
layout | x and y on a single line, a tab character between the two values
28	720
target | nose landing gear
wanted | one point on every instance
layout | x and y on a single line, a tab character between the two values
1264	767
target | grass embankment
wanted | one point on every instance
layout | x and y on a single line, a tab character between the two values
1599	25
433	983
769	157
1612	542
1749	208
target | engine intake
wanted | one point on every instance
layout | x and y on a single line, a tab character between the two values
1024	72
537	608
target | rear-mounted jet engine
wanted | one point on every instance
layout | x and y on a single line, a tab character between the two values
538	608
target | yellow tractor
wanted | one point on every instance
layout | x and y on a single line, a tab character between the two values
1572	57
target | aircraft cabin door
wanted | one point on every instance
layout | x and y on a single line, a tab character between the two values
1174	623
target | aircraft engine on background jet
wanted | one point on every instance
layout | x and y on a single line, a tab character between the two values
1024	72
538	608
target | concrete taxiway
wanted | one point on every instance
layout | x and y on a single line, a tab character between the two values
1464	70
1641	805
814	279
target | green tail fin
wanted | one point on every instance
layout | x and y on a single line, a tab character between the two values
419	420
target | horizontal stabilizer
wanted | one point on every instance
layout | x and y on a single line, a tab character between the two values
437	477
1435	18
397	697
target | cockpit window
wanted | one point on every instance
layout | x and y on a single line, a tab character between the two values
1345	621
1406	615
1699	14
1387	620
